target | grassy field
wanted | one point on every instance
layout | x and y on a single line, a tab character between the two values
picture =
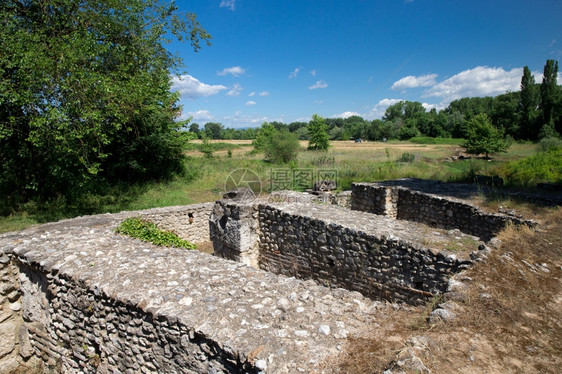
205	177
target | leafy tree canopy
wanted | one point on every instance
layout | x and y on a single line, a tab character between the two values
318	134
483	137
85	93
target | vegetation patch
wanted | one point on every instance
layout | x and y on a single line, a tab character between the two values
429	140
539	168
149	232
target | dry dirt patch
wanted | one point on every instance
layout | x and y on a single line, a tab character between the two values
508	321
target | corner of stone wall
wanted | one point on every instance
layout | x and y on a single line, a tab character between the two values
15	346
234	231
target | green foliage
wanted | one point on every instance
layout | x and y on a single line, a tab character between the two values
483	137
428	140
148	232
84	94
549	91
407	157
544	167
206	147
408	131
282	147
263	136
528	103
318	134
550	143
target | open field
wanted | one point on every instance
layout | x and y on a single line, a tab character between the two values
205	178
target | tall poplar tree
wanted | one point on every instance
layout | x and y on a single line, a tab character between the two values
549	91
528	103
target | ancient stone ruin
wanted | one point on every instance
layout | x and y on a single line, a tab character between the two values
293	276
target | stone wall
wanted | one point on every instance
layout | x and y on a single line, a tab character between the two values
406	203
85	299
377	256
190	222
304	245
15	346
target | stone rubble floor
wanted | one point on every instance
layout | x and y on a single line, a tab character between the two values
287	324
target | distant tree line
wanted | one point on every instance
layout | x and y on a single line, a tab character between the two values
532	113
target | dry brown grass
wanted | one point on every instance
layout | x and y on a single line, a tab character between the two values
509	321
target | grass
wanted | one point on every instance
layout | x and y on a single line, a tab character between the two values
205	178
428	140
149	232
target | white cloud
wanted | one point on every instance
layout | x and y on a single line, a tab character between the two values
239	119
480	81
313	73
318	84
378	110
234	70
411	81
345	115
428	107
318	101
235	90
264	93
248	103
193	87
231	4
253	93
200	115
294	73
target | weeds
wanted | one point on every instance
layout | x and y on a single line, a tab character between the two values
149	232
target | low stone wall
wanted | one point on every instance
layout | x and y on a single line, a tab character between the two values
446	212
190	222
377	259
377	256
85	299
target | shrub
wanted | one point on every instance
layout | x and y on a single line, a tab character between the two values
483	137
407	157
544	167
282	147
149	232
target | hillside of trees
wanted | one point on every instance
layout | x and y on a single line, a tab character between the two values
532	113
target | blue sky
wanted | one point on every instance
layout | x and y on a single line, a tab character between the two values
284	60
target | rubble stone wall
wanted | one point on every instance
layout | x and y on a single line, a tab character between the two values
190	222
380	257
378	267
436	211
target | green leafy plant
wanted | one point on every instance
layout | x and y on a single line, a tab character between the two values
149	232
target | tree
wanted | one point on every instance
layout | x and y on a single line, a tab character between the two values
282	147
85	94
528	102
214	130
482	137
549	91
263	136
194	127
318	132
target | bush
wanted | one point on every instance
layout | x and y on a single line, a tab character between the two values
544	167
483	137
407	157
282	147
550	143
149	232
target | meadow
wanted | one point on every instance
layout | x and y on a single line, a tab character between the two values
205	177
